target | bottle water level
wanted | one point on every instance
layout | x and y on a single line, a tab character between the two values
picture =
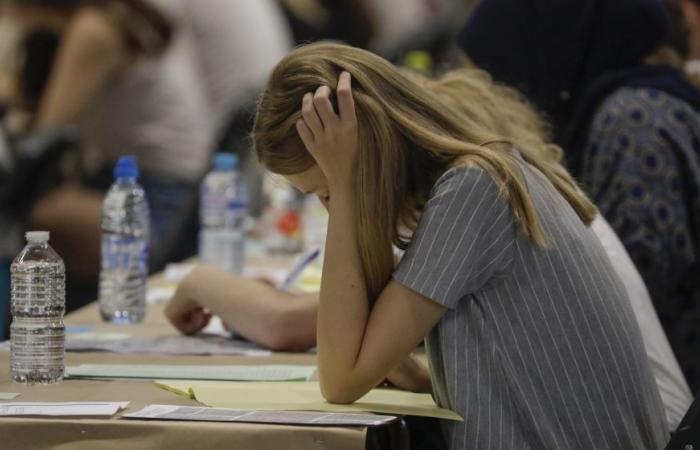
37	331
37	350
122	287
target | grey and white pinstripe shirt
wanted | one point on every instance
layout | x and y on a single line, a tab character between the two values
539	348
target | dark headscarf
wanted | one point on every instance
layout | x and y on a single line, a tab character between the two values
556	51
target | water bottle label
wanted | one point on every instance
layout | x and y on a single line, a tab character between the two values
125	254
214	200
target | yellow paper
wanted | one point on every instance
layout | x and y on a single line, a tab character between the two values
290	396
310	279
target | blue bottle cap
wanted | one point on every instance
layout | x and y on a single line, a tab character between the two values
126	167
225	161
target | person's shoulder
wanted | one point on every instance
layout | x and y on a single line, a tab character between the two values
642	109
462	174
93	32
465	182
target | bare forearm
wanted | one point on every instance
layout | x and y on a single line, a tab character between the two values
259	312
344	306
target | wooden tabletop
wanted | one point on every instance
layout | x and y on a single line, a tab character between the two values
116	433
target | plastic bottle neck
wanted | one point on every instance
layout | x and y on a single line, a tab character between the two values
126	180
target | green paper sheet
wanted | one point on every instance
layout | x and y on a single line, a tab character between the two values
192	372
303	397
8	395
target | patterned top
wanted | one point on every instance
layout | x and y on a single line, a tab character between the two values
642	169
539	348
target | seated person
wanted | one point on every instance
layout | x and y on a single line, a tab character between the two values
118	71
629	128
492	278
285	321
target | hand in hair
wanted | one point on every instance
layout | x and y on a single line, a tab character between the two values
331	138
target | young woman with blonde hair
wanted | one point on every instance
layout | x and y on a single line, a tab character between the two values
529	333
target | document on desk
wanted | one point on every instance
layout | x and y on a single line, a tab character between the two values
205	414
191	372
167	345
304	397
61	409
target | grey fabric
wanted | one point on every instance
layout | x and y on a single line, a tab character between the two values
156	111
539	348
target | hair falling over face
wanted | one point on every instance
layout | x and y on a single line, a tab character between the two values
411	130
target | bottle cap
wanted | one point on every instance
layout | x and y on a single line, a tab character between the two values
126	167
225	161
37	236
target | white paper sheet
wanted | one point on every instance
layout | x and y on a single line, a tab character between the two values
158	295
170	412
61	409
169	345
193	372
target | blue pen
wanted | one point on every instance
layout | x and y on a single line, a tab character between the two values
295	273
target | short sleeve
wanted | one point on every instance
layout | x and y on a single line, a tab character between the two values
464	238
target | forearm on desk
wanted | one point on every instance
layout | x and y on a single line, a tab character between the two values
278	320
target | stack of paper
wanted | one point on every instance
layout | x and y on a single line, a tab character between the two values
61	409
170	412
165	345
303	397
191	372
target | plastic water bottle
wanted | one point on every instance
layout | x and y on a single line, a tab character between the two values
125	222
223	212
37	333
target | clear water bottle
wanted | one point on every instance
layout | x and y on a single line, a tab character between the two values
125	237
37	333
223	212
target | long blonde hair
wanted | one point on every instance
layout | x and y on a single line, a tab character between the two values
410	131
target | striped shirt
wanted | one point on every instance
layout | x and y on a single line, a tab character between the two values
539	348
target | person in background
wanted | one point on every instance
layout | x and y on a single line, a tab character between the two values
629	130
118	70
350	21
408	24
685	26
407	169
286	321
233	71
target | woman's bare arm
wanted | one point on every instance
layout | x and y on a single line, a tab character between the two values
92	51
278	320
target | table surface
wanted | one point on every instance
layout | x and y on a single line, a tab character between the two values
111	433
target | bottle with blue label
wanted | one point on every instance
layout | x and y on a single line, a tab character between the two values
125	240
223	213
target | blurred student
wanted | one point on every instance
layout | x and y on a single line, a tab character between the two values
118	71
287	321
237	43
558	359
629	130
686	34
350	21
